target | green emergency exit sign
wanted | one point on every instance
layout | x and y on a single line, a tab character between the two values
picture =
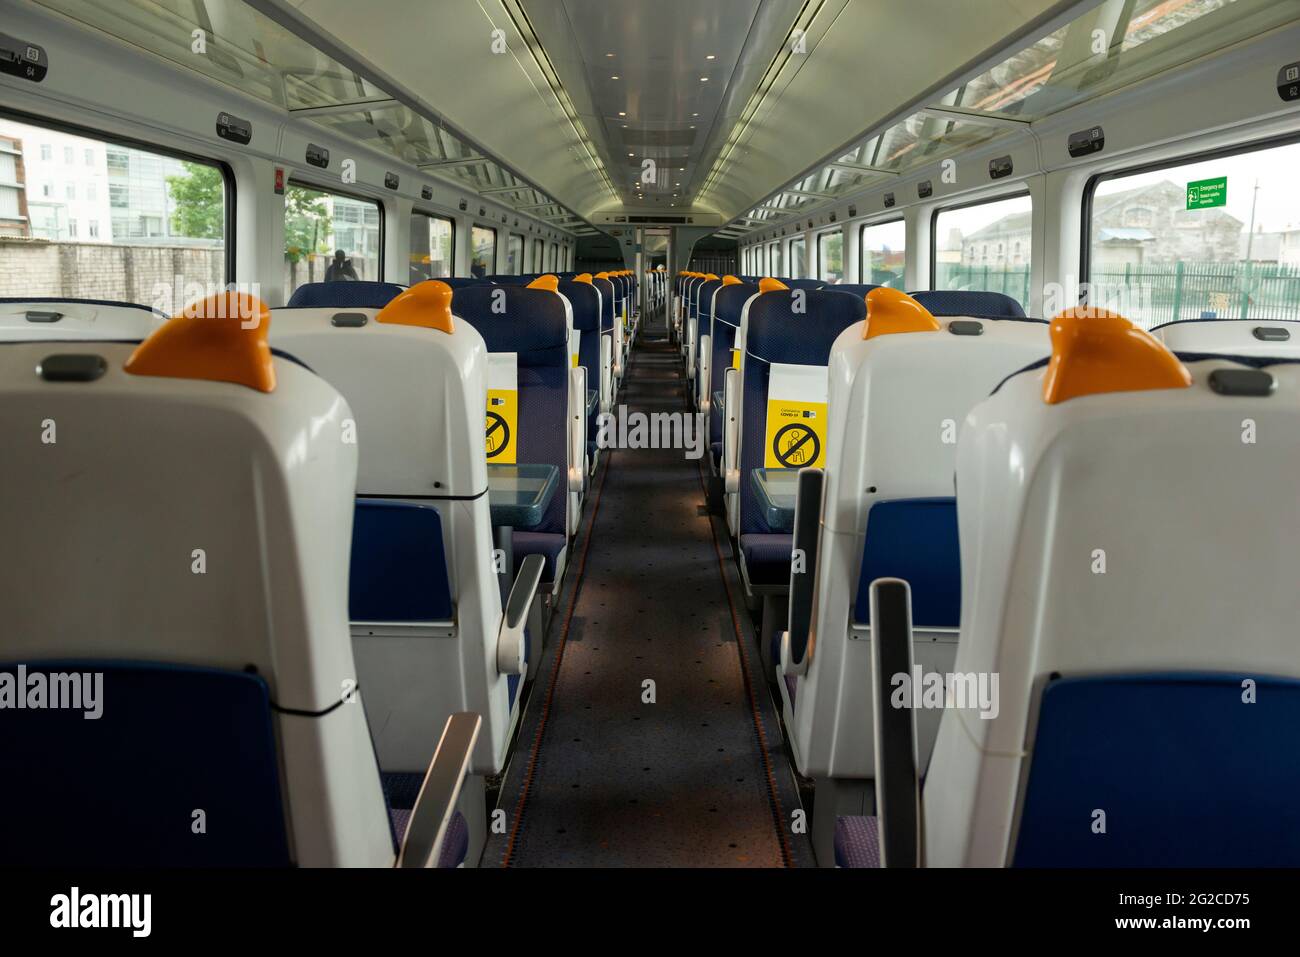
1205	193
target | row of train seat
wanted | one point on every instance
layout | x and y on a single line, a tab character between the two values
349	426
919	389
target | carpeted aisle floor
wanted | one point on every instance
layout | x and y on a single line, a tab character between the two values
600	777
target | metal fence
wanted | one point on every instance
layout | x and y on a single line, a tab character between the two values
1151	294
1011	280
1154	293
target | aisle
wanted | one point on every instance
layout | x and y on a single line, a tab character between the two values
601	777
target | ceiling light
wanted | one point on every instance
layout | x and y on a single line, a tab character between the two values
704	79
710	57
609	54
615	77
621	113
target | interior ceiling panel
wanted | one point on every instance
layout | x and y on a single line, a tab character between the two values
711	90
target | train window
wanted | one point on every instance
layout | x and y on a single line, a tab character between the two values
329	237
1210	237
126	224
983	246
514	254
882	253
553	251
775	252
483	248
830	256
538	246
433	247
798	258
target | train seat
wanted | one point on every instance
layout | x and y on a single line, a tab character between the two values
206	617
702	314
527	329
970	303
592	350
1137	722
781	409
728	306
52	319
341	295
1234	337
608	326
424	598
901	384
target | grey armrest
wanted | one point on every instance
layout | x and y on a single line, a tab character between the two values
510	637
898	787
795	650
436	804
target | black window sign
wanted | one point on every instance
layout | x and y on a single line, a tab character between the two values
853	211
999	167
318	156
924	189
889	200
28	61
390	180
426	193
463	205
1288	82
233	128
1085	142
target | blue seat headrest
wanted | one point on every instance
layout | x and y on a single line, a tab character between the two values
530	322
585	302
804	283
456	282
968	302
777	333
731	302
853	288
344	295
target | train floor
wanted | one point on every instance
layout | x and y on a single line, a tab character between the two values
650	737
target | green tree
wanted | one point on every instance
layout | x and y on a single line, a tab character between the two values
307	225
199	202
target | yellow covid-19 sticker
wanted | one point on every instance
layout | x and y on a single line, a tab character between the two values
796	417
502	425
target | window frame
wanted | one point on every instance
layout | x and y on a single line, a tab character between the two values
538	257
523	250
227	173
496	238
308	183
446	218
869	224
833	231
802	239
1183	159
983	201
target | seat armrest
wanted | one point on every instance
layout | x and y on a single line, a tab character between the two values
618	347
796	643
703	396
577	428
691	326
436	804
898	787
606	372
731	431
510	637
